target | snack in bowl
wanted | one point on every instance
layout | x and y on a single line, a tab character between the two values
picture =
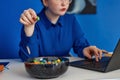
46	67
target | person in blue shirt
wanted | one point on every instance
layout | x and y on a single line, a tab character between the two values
54	34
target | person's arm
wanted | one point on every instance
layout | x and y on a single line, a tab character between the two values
79	45
80	42
29	46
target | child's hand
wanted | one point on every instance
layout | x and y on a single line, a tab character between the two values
28	17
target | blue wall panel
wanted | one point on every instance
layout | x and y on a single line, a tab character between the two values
101	29
10	26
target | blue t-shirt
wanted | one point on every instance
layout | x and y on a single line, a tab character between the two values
53	39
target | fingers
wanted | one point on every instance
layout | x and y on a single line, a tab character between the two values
86	53
104	51
93	50
100	53
28	17
24	20
97	53
33	14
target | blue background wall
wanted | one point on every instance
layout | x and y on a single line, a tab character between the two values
102	29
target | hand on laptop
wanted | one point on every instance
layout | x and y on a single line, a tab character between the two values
93	51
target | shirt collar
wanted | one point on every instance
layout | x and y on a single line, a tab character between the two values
46	21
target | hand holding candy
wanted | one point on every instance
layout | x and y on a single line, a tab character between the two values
29	17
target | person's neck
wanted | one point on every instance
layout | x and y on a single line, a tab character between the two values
53	18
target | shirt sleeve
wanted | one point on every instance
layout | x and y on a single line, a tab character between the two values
28	46
80	42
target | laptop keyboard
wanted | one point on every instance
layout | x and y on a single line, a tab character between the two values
92	64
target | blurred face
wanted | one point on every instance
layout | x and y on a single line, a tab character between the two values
57	7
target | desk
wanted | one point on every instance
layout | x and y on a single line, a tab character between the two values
17	71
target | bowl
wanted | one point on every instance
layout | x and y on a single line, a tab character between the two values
46	67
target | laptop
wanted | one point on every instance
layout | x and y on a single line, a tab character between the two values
106	64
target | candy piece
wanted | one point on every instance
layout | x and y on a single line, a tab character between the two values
41	62
58	60
49	62
37	18
36	61
63	61
44	61
41	59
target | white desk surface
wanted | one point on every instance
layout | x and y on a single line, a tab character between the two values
17	71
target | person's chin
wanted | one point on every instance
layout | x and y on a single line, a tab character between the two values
61	14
